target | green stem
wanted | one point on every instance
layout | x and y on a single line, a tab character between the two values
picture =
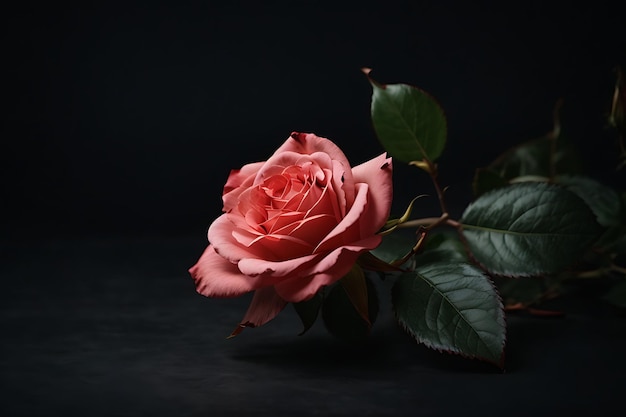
594	273
600	272
420	241
453	223
430	222
433	175
618	269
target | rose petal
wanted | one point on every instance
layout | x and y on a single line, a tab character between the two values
238	181
273	269
348	230
238	221
343	186
313	229
325	201
316	163
276	164
311	198
283	223
328	270
239	176
252	198
377	173
308	143
265	305
221	238
276	247
216	277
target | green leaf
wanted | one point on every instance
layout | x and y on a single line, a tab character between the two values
613	241
603	200
342	319
529	158
528	229
533	159
394	246
355	285
442	247
452	307
370	262
409	123
308	311
487	179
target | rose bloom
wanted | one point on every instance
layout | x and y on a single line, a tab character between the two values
293	224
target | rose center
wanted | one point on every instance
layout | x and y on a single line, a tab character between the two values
295	203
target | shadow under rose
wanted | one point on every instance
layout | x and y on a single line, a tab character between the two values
532	343
388	350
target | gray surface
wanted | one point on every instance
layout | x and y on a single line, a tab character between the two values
113	327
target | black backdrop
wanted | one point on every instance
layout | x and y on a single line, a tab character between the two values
120	125
126	119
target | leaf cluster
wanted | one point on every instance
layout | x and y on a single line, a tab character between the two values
536	223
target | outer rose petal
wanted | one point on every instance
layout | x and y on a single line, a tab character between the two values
330	269
377	173
238	176
308	143
265	305
238	181
221	238
262	268
216	277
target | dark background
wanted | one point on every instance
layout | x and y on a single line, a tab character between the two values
127	119
120	126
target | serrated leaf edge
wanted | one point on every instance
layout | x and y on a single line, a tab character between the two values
441	349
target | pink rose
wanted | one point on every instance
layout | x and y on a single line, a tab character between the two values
292	225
